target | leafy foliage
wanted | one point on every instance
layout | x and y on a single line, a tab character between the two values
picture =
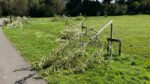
70	56
15	22
36	40
46	8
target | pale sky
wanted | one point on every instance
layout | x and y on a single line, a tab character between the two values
111	1
100	0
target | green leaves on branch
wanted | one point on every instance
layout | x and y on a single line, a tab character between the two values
70	56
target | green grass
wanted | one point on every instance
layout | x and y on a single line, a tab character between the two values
132	30
38	37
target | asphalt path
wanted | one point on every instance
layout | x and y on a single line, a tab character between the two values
13	68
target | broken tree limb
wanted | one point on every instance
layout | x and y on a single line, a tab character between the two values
100	30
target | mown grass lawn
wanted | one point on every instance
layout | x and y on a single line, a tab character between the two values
38	37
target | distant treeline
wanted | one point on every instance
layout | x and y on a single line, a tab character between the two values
45	8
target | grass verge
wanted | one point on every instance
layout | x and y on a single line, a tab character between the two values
37	38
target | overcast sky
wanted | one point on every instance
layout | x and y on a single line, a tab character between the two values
102	0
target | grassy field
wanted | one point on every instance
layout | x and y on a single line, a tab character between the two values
36	39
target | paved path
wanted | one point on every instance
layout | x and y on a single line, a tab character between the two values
13	68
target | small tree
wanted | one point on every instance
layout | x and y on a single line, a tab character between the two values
58	6
106	5
107	1
145	6
8	5
73	7
15	7
121	1
133	7
34	7
20	7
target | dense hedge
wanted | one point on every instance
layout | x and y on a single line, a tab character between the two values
44	8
